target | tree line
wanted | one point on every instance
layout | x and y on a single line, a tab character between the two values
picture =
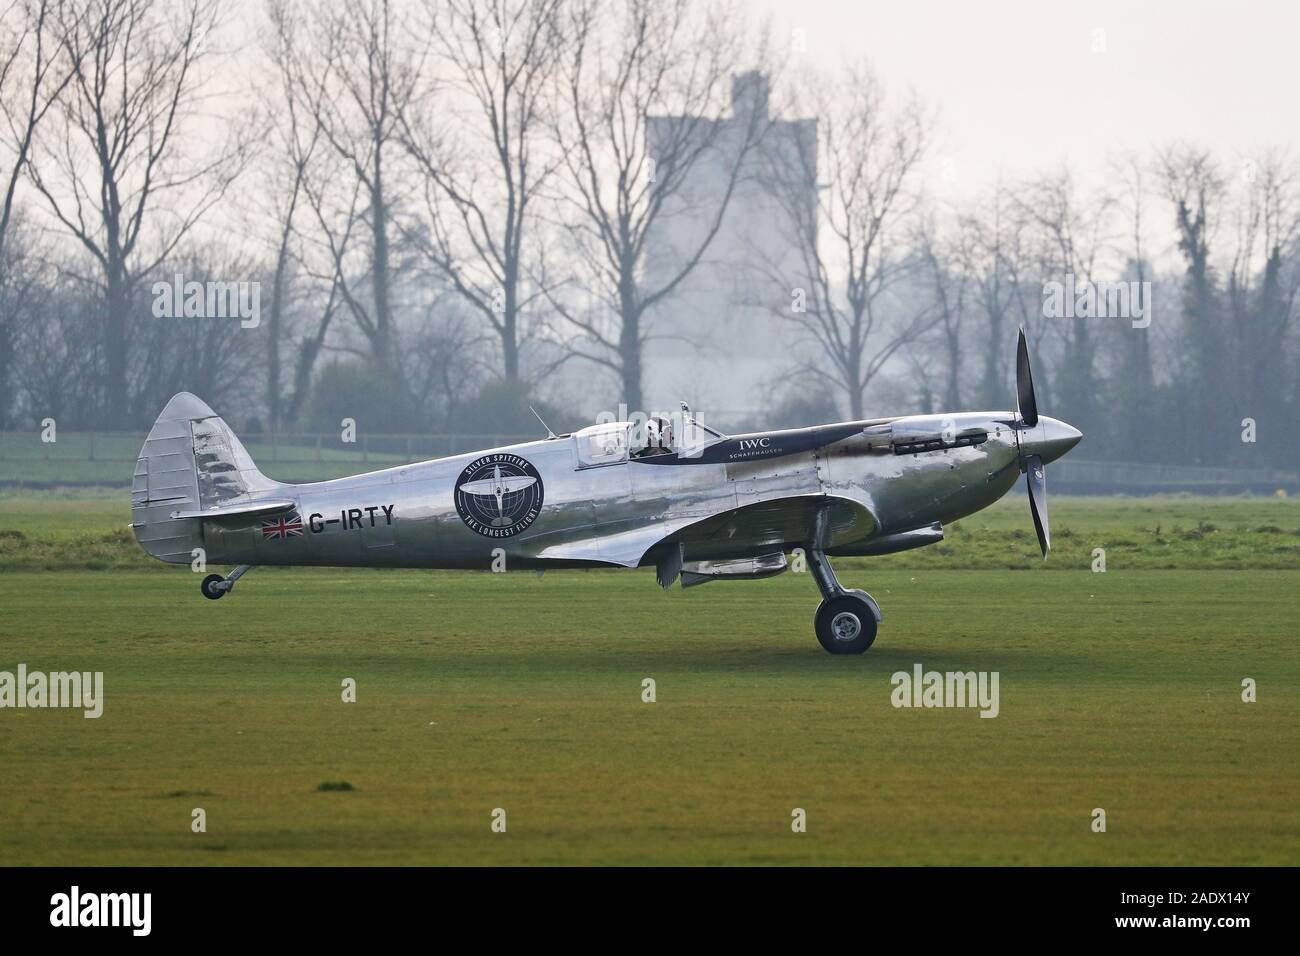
449	206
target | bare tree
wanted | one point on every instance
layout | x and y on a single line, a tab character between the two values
1135	365
297	136
999	264
114	170
481	157
59	375
851	226
628	171
195	353
946	268
1072	240
1262	282
351	80
33	75
1193	183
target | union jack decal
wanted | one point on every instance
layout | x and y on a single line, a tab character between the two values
285	526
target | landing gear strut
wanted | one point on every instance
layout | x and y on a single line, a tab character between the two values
215	586
846	620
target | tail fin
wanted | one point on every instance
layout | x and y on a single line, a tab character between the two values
190	462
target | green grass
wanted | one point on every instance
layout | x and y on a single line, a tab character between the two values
475	691
478	691
1166	532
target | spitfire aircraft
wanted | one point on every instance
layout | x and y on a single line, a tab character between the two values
707	507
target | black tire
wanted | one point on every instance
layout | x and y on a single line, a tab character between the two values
845	624
209	591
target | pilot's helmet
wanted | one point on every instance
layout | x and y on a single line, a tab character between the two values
652	433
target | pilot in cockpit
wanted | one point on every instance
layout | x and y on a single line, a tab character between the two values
659	438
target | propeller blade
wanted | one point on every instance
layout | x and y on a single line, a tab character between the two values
1025	401
1037	481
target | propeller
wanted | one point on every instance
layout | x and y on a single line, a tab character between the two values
1032	465
1036	478
1025	401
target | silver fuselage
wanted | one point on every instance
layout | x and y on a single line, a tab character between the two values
617	514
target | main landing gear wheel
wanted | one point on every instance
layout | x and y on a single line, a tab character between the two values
846	621
846	624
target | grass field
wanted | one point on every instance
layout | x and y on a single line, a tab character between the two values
476	691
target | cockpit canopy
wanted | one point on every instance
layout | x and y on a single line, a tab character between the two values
610	443
604	444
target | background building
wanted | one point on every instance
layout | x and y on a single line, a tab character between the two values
718	340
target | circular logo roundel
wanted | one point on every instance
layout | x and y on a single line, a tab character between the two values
499	495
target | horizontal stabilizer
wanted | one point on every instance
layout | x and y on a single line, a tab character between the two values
245	508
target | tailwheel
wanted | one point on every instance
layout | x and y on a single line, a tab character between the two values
214	585
846	623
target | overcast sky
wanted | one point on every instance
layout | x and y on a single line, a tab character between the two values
1020	89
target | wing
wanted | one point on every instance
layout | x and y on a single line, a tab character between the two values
821	520
757	528
516	483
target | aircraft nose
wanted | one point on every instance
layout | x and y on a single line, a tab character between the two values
1051	439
